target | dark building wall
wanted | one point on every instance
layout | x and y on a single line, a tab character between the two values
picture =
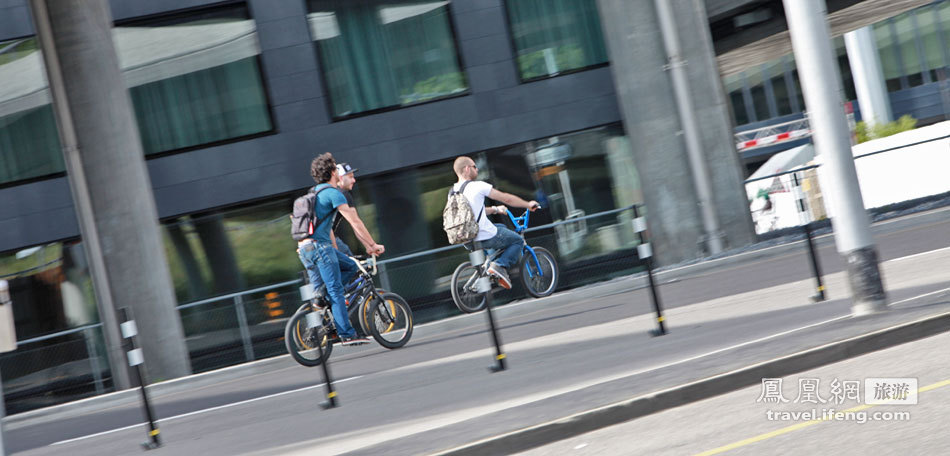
498	110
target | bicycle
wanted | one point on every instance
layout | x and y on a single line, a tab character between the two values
383	314
539	272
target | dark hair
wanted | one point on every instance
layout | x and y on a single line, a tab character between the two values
322	168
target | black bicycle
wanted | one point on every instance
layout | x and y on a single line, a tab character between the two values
382	314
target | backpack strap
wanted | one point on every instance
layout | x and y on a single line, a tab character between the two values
462	189
313	210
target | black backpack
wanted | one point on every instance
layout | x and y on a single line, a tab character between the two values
304	218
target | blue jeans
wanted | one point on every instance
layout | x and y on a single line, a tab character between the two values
509	242
326	264
343	248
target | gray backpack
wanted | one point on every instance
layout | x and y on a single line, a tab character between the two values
458	220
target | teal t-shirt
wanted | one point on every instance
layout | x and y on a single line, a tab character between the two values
327	201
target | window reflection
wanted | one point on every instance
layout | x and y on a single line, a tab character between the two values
552	37
381	55
193	80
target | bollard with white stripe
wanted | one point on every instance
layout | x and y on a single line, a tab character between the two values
136	359
477	258
307	295
806	227
645	252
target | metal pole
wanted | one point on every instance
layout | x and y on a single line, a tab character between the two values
243	328
477	257
3	413
820	80
327	381
687	114
306	295
815	267
645	253
136	359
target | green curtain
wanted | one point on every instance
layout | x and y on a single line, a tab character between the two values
29	145
566	33
205	106
373	64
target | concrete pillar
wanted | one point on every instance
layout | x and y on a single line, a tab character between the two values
868	77
111	188
641	68
821	82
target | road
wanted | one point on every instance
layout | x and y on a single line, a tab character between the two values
739	423
567	354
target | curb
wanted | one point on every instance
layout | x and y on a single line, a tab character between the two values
591	420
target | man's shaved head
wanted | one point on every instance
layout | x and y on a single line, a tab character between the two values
461	163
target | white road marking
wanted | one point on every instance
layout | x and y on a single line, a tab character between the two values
211	409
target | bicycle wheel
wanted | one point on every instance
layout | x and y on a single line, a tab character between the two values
365	320
391	320
466	298
543	281
301	336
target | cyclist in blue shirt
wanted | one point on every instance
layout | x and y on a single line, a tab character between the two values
324	263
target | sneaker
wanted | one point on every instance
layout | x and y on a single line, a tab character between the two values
355	340
500	274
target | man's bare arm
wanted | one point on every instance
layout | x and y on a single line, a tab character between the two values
512	200
349	213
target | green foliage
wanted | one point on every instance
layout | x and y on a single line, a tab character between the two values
567	57
436	86
865	133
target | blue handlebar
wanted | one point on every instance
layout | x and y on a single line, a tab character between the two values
520	223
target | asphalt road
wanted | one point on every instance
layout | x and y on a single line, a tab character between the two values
437	388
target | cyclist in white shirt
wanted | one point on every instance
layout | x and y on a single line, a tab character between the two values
491	236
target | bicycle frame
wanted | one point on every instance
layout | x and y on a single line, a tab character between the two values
521	224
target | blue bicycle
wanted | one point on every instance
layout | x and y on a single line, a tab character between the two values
539	272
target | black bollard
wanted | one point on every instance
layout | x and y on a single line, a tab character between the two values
645	252
136	359
306	295
477	258
815	267
327	382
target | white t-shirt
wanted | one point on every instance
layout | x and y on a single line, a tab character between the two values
475	192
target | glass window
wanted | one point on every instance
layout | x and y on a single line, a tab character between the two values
933	51
757	88
29	141
888	53
907	46
944	15
572	175
844	66
378	55
775	72
193	79
798	89
733	86
554	36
